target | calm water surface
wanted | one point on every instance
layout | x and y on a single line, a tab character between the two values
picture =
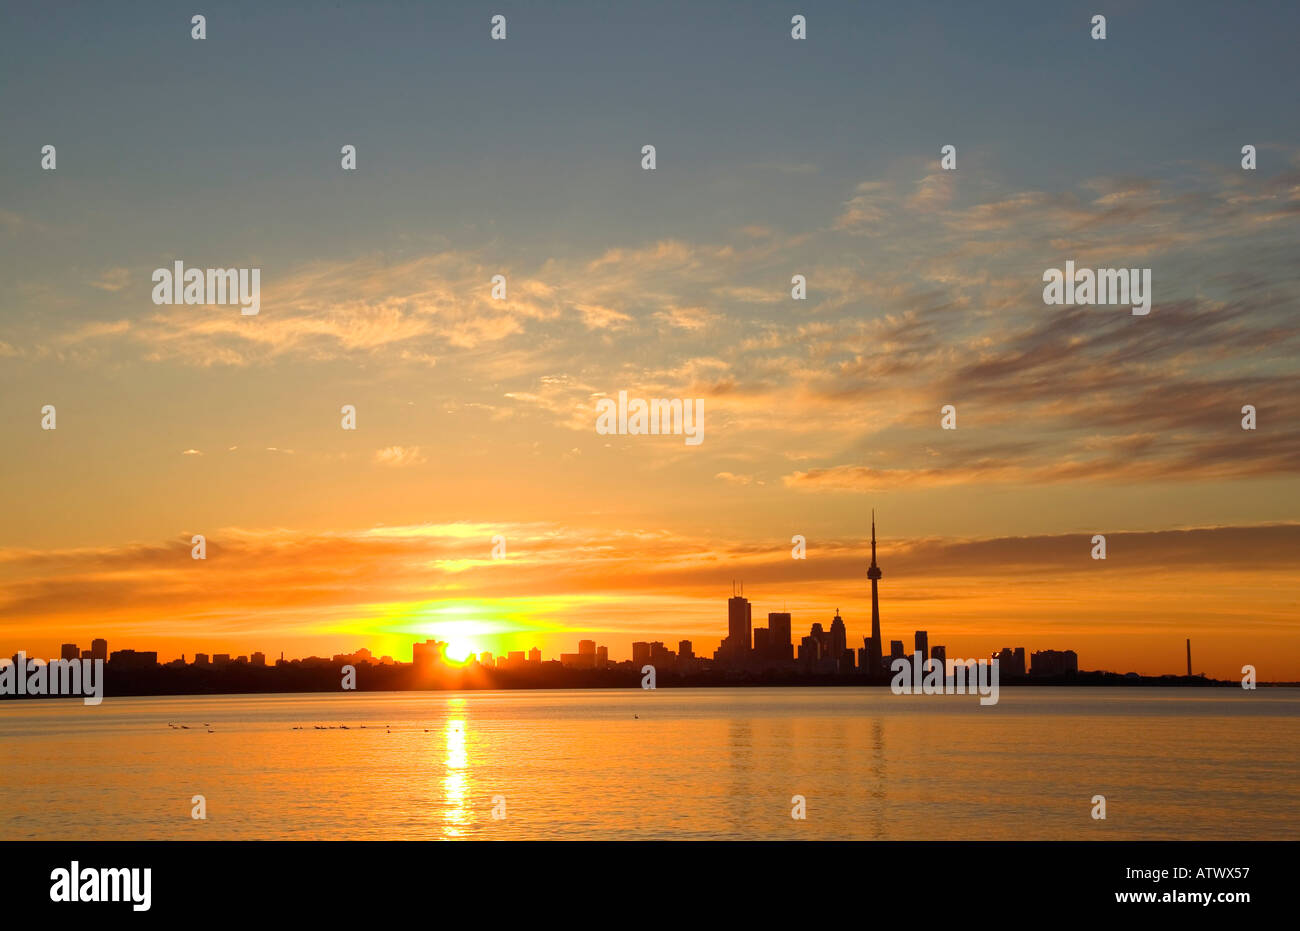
671	763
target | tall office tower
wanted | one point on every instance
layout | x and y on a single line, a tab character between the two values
895	650
923	645
640	653
762	642
69	651
587	646
99	649
873	573
1189	656
739	627
839	637
940	656
602	657
1018	662
685	649
535	657
779	637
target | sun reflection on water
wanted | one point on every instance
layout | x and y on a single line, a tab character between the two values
455	783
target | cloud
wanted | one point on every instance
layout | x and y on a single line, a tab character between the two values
113	279
399	456
687	318
866	211
946	308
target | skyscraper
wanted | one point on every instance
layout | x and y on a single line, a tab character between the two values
739	628
99	649
823	640
839	636
873	573
839	643
779	637
923	644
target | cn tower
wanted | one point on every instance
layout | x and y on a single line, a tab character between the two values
873	573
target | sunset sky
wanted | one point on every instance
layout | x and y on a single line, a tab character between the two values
477	417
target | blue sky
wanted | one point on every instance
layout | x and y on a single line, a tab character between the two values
532	145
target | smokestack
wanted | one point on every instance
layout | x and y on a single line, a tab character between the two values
1189	656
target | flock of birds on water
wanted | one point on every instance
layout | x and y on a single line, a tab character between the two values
388	728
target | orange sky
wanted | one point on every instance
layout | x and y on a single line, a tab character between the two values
476	417
1231	590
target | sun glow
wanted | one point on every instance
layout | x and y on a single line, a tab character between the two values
464	636
458	651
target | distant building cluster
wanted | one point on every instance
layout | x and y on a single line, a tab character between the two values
826	651
124	659
144	659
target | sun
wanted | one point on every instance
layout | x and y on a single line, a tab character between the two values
458	651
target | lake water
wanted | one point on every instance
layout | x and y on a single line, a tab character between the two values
670	763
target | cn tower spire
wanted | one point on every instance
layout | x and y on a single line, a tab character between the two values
874	646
